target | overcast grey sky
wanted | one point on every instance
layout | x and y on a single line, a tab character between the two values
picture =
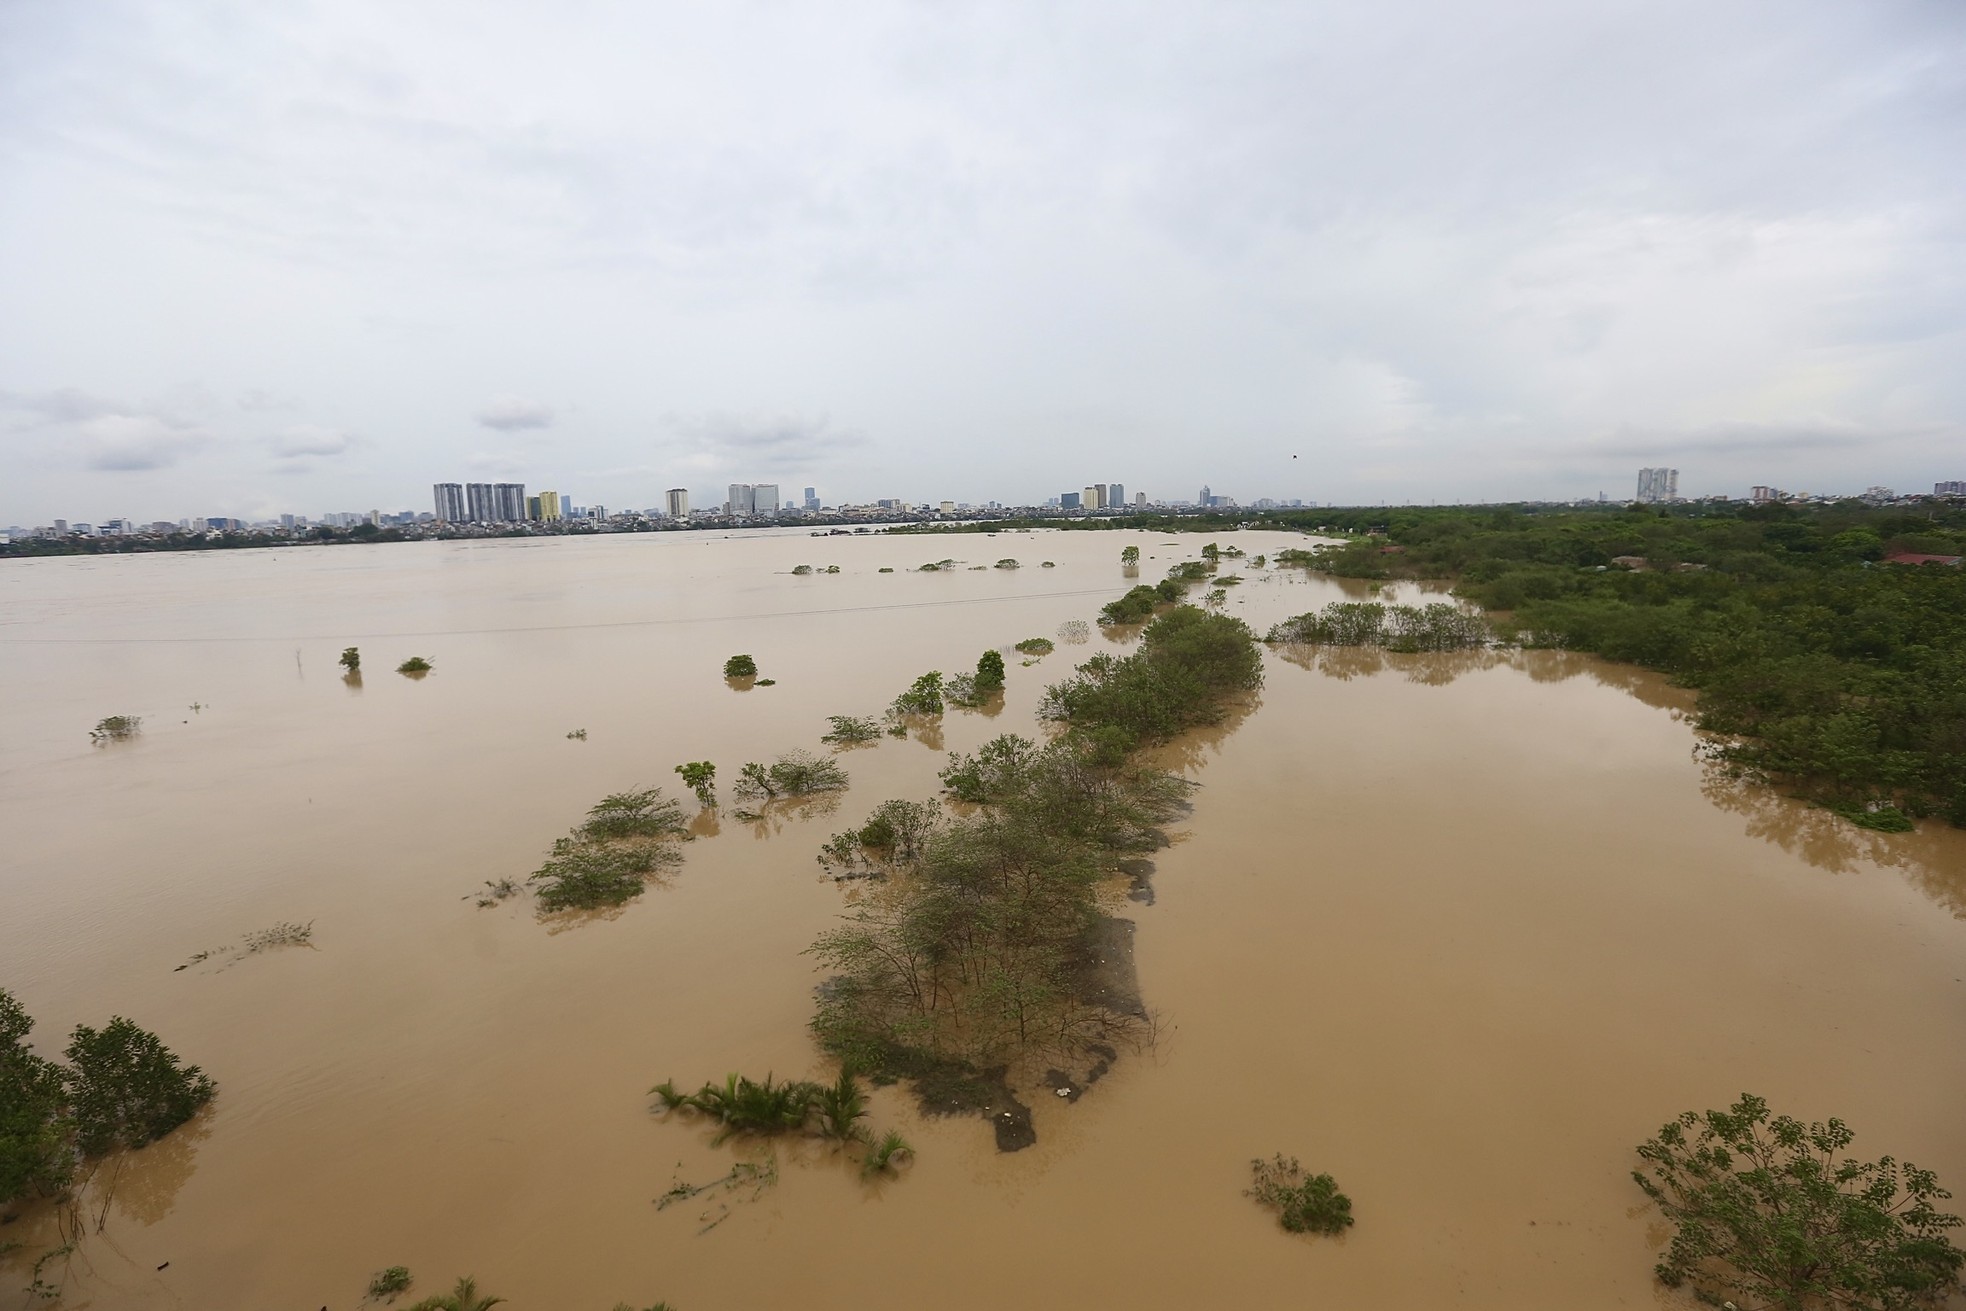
272	256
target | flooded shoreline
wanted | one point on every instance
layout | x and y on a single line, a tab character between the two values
1461	931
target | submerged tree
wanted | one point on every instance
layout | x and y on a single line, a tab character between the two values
989	672
700	777
1769	1210
923	697
37	1155
126	1088
740	666
351	659
848	730
794	774
1130	555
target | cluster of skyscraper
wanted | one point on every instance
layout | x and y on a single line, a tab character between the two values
752	501
1657	485
496	503
1097	496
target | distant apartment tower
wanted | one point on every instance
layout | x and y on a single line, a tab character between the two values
478	502
1764	495
764	499
742	502
1204	497
675	502
1656	485
1093	497
552	507
812	500
1949	489
508	502
450	502
1140	500
1115	496
1068	500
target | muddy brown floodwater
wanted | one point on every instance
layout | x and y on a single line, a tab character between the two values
1460	930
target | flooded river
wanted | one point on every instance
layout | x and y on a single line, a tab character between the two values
1459	930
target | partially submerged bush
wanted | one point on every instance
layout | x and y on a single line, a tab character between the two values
1075	632
848	730
803	569
794	774
622	815
1304	1204
1435	627
351	659
740	666
885	1155
767	1108
389	1282
1036	646
415	665
464	1296
284	934
1136	607
1769	1211
627	837
115	728
1008	563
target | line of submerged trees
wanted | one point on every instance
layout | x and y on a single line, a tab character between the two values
976	944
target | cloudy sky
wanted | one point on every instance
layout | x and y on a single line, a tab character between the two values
266	256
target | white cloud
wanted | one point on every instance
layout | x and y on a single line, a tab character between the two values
514	414
128	443
308	440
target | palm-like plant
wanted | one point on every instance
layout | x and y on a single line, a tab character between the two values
464	1297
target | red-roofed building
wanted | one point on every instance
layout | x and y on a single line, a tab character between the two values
1909	557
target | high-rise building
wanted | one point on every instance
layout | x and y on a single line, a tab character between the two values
1093	497
1205	499
1949	489
552	507
508	502
1115	496
1068	500
812	500
675	502
743	502
764	499
478	502
1657	485
1140	500
1763	495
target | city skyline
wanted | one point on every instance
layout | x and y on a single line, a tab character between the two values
347	266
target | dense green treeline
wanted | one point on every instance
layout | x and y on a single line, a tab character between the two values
1829	668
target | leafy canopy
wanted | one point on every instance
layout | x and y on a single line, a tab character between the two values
1769	1212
